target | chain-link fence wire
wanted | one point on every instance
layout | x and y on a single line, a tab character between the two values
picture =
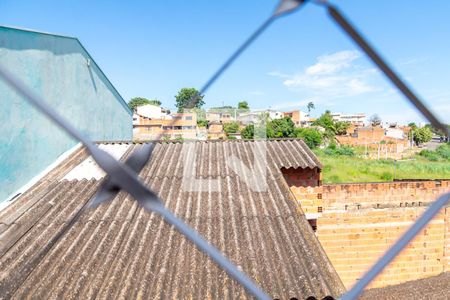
125	175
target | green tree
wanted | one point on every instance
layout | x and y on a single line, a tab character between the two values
280	128
332	127
155	102
188	98
202	122
243	105
341	127
231	127
326	121
248	132
310	107
422	135
312	137
137	101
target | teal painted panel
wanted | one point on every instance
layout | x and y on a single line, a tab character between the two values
61	71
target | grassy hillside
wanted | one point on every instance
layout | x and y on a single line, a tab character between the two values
348	167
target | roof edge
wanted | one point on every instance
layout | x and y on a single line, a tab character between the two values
123	102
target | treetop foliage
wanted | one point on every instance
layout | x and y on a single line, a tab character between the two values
331	126
421	135
139	101
188	98
285	128
231	127
310	106
243	105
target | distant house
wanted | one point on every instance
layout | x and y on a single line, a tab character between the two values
60	70
395	132
152	111
383	140
215	130
179	125
300	118
221	115
355	119
256	116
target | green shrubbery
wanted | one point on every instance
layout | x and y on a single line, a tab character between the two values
312	137
285	128
341	168
430	155
332	150
231	127
442	153
202	123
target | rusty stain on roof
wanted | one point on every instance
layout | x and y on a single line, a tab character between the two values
121	251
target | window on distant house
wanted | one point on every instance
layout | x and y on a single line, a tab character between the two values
188	118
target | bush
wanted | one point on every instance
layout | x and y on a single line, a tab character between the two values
248	132
202	123
231	127
230	137
332	145
344	151
330	151
441	153
430	155
280	128
312	137
444	151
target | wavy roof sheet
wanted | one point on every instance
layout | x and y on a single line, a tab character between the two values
121	251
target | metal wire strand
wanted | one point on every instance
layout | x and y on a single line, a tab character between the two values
283	8
126	179
401	243
383	66
407	92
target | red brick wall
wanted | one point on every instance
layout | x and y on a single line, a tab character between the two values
302	177
359	222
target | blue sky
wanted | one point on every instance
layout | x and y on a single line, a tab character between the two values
154	48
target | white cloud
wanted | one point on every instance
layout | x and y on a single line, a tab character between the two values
330	64
332	76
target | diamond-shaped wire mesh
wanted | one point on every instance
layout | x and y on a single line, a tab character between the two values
124	176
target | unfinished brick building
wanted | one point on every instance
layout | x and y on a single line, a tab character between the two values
357	223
